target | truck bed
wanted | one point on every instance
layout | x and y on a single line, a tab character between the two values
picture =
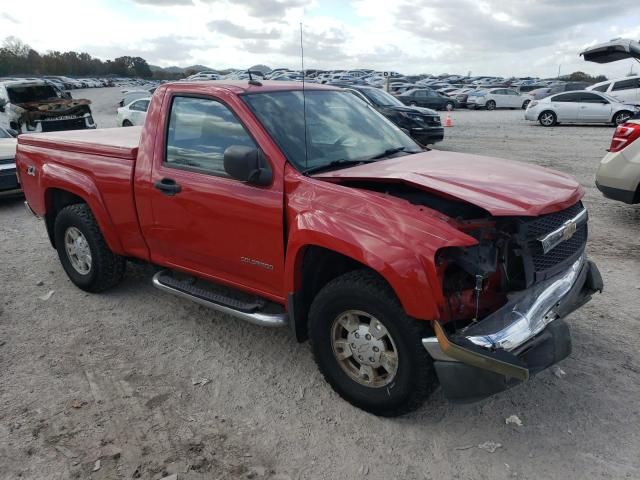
110	142
95	165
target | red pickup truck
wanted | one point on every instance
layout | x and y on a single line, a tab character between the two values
405	268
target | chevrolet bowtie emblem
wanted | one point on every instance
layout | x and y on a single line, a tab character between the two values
563	233
569	230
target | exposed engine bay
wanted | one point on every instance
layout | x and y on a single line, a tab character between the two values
513	254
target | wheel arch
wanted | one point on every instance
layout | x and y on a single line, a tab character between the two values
62	191
312	265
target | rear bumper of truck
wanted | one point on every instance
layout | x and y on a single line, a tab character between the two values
524	337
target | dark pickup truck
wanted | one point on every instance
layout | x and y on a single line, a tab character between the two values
404	268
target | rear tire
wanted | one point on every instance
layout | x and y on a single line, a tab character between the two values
127	123
366	303
526	104
548	119
620	117
491	105
83	252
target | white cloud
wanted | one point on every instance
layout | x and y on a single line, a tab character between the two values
521	37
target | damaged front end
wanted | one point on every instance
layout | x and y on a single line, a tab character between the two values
505	300
51	115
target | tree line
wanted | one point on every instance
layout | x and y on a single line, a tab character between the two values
18	58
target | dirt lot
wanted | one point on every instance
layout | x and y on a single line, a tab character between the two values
111	377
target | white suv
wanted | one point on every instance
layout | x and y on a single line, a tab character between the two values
624	89
618	176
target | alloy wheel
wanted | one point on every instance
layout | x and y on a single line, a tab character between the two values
547	119
78	250
364	348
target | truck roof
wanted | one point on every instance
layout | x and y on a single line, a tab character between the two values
111	142
243	87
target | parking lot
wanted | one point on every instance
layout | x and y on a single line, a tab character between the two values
149	384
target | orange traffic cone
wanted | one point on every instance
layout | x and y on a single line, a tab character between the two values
447	121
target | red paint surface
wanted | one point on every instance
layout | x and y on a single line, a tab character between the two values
213	221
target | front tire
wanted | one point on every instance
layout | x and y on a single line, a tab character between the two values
127	123
621	117
83	252
491	105
548	118
367	348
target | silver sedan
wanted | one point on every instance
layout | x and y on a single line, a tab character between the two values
579	107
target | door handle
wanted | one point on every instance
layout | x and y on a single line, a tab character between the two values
168	186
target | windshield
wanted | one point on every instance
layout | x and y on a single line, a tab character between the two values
381	98
32	93
340	128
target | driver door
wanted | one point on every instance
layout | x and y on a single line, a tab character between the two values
203	221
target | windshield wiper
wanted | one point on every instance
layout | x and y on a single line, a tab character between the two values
391	151
336	164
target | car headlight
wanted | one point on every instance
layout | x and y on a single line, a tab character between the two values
413	116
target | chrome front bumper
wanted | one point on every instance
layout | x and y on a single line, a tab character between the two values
525	336
527	313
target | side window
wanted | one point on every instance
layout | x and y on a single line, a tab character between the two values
625	85
602	88
420	94
140	106
591	98
565	97
200	130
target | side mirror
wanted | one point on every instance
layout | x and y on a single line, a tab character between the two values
247	164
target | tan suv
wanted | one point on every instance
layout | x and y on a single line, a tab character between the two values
618	176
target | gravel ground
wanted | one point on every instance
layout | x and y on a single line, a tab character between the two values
111	377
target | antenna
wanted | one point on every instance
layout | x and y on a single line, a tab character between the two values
252	81
304	104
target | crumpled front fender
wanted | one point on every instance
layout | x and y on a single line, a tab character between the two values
391	236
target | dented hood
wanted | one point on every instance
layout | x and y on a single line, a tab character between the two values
502	187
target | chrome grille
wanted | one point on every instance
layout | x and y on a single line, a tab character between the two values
566	251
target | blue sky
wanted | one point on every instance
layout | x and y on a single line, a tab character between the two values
519	37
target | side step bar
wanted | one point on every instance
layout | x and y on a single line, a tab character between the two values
248	312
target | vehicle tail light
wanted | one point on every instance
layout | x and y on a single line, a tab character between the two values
624	135
532	104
